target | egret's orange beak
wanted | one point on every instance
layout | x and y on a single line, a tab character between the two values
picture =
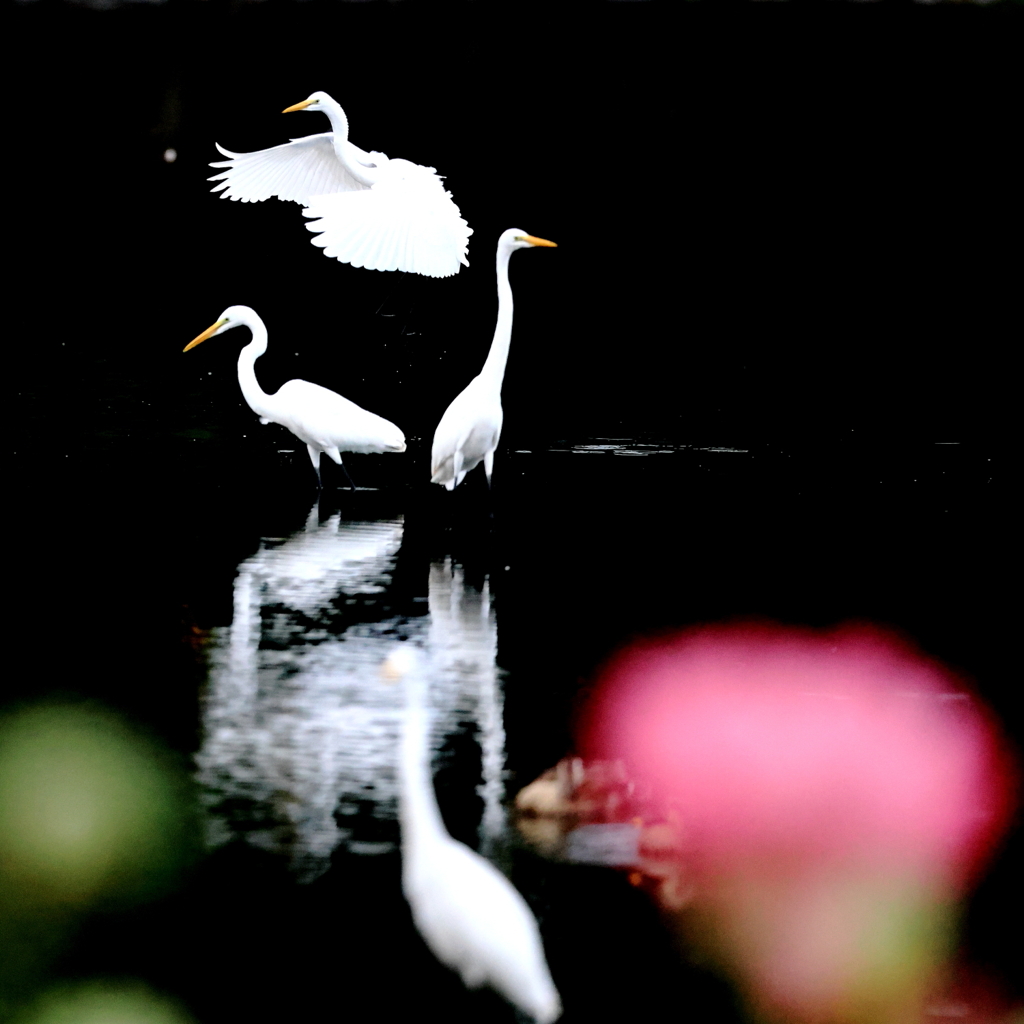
534	240
394	668
208	333
297	106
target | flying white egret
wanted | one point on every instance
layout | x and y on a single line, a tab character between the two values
469	429
370	211
321	418
469	914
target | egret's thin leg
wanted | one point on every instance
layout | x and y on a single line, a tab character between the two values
347	477
489	467
314	457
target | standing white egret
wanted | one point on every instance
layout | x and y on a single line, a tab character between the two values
371	211
469	914
470	427
321	418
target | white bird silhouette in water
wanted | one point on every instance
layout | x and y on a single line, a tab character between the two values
321	418
470	427
369	211
469	914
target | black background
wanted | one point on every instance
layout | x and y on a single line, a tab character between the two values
771	218
788	228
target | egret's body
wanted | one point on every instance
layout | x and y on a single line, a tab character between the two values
469	914
367	210
468	433
470	427
322	419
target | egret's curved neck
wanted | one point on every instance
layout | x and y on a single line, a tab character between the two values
345	151
420	817
259	401
494	367
339	122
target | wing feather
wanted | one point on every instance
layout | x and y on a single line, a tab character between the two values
406	221
296	171
325	418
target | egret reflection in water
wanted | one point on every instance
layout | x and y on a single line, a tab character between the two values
464	647
293	716
300	739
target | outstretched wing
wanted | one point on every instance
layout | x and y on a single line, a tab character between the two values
296	171
406	221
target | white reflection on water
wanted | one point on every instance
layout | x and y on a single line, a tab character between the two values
300	735
628	447
463	648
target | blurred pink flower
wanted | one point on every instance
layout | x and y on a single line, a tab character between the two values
768	738
835	793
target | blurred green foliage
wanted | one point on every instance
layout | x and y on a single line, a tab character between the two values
104	1003
93	816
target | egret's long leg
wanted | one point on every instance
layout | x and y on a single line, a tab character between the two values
489	466
314	457
345	471
336	455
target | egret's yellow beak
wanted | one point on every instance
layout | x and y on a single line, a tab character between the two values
534	240
395	666
208	333
391	671
297	106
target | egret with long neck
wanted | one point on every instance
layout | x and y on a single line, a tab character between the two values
365	208
470	427
322	419
469	914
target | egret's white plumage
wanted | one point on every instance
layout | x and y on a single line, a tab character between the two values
321	418
469	914
366	209
470	427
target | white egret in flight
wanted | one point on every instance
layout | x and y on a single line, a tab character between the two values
469	429
369	211
322	419
469	914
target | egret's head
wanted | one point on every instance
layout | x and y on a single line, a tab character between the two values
315	101
514	238
398	664
233	316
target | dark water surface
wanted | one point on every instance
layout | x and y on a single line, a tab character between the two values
213	601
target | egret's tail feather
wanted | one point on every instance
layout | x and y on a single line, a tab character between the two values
442	473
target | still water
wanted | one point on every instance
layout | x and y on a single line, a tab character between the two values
264	618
